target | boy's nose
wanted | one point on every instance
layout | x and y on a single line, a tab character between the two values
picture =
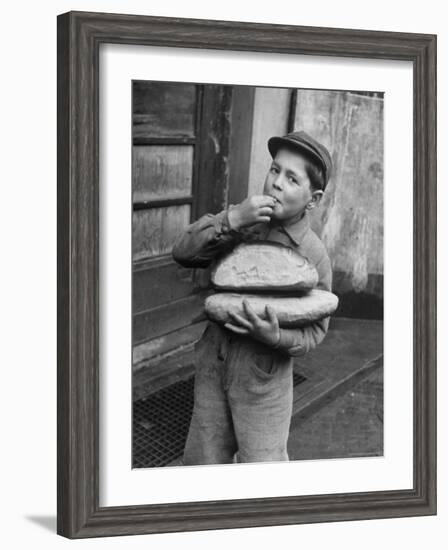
278	183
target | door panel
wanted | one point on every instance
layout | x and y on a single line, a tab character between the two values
164	344
162	172
163	109
168	318
180	153
155	230
157	286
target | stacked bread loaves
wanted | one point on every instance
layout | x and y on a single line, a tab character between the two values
268	274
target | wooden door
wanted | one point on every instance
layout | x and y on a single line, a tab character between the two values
180	152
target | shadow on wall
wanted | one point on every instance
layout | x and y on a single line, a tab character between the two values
360	304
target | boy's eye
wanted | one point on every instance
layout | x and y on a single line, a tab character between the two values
274	169
292	179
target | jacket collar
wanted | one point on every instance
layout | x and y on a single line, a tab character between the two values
296	230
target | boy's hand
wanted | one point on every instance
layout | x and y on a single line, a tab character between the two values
255	209
264	330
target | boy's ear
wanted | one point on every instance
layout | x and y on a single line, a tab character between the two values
315	199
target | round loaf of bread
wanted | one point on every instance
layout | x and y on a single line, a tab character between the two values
290	311
262	267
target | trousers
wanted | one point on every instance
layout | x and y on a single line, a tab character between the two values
242	401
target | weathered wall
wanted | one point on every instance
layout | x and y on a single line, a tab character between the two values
271	113
350	217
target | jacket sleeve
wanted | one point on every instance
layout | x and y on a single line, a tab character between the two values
204	240
298	341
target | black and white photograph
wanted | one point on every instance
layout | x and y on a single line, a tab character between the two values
257	274
224	259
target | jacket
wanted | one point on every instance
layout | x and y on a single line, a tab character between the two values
205	240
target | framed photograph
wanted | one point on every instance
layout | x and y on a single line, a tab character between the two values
201	163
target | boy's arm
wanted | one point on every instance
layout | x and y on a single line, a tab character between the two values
204	239
211	235
296	342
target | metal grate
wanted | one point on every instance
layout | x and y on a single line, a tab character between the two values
160	423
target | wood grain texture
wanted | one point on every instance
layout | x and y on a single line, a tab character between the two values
154	286
167	318
163	109
155	230
213	145
161	172
240	142
157	348
78	433
79	37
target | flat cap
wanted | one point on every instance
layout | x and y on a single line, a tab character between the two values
305	143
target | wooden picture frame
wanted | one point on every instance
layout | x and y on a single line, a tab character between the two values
79	37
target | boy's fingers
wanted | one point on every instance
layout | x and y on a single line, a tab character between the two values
234	328
250	313
264	219
240	320
266	200
265	211
271	315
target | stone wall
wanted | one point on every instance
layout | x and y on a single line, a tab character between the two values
350	216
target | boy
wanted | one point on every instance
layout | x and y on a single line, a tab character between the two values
243	384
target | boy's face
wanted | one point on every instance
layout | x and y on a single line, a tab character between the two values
288	182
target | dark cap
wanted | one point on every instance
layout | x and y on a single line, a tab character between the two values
304	142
